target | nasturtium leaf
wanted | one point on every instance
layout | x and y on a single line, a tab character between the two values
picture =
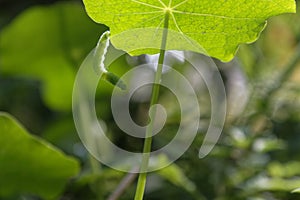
219	26
30	165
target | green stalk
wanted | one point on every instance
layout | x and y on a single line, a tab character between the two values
286	73
154	98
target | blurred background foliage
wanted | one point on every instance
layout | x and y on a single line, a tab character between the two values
43	43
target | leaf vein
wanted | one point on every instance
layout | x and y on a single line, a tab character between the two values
157	16
148	5
213	15
138	13
162	3
183	2
180	31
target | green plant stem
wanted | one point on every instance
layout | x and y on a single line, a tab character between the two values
280	80
95	165
125	183
286	73
154	98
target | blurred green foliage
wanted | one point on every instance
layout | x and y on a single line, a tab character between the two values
46	44
257	157
31	165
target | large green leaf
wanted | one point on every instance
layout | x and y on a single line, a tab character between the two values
49	43
219	26
176	175
30	165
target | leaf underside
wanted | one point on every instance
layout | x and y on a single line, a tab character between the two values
219	26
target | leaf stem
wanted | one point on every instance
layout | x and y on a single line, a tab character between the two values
154	98
125	183
286	73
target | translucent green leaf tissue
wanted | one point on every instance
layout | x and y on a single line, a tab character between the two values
219	26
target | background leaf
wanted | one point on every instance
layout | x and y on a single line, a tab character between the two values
48	44
41	169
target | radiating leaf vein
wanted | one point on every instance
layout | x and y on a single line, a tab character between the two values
146	4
